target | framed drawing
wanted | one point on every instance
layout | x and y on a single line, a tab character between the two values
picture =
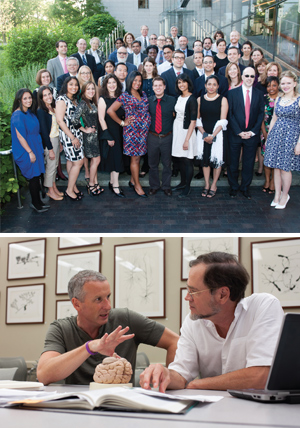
64	309
67	265
140	278
25	304
276	270
26	259
184	305
191	248
78	241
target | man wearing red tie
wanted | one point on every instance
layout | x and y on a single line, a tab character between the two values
161	108
246	112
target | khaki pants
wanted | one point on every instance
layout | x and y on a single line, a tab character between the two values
51	165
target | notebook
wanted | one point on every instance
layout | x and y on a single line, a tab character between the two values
283	383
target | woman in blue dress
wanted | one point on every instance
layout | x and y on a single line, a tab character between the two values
27	145
135	127
283	143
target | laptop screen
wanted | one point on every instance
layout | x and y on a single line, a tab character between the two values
285	370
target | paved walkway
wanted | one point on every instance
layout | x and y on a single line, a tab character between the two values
157	214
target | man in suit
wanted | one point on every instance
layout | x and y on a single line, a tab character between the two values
170	75
161	41
58	65
183	46
118	43
175	37
246	113
136	57
168	52
198	70
207	44
189	61
122	56
161	109
143	38
233	56
84	58
208	65
72	67
234	41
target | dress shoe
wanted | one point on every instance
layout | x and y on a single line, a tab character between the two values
39	210
175	173
130	184
282	207
246	194
168	192
233	193
179	186
152	192
120	194
141	196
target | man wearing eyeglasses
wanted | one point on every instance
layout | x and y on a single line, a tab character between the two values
246	113
122	56
227	341
170	75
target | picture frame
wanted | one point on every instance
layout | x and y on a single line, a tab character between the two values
139	277
184	305
64	309
78	241
192	247
26	259
25	304
275	270
67	265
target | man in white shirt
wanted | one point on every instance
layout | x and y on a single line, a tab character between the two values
227	339
168	52
122	55
174	35
144	39
161	41
58	66
136	57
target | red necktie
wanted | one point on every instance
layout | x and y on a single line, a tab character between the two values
158	120
247	108
178	72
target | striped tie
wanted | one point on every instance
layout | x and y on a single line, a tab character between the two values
84	60
158	120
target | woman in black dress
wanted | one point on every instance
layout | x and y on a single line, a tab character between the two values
212	113
221	59
111	140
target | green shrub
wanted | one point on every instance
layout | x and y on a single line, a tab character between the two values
8	183
11	83
37	44
99	25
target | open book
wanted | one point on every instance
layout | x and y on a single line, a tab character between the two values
117	398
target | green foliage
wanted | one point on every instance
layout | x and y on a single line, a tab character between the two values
37	44
65	10
99	25
11	83
8	183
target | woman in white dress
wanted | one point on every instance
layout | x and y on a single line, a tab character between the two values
184	144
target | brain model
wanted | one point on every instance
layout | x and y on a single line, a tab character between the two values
113	370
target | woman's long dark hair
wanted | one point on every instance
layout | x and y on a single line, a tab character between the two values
104	91
18	100
41	103
130	80
64	88
185	78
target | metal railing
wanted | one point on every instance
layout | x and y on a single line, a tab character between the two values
108	45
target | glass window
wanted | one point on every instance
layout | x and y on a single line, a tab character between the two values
143	4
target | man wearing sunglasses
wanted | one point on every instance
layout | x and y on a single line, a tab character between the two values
246	113
227	341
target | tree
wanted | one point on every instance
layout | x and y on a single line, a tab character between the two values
6	18
98	25
73	11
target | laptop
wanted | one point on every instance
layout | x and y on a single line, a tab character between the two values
283	382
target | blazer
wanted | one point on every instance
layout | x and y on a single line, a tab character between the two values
189	62
239	46
130	67
170	78
189	52
60	81
100	54
55	68
222	70
45	120
190	112
200	86
141	39
236	116
130	58
113	56
90	62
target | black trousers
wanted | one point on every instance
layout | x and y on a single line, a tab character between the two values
159	148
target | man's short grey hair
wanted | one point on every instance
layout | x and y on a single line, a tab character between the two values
76	284
73	58
145	26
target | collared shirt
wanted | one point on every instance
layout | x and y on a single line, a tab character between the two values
211	74
245	89
250	340
164	67
137	59
205	52
96	56
200	71
157	59
176	72
63	62
167	108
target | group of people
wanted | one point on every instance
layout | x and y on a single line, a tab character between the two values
153	98
227	341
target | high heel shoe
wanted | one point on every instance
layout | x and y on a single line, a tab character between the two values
78	198
79	193
282	207
120	194
110	186
130	184
93	190
141	196
98	187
